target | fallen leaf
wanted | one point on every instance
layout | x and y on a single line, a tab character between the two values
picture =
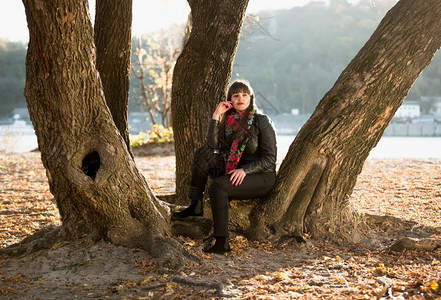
147	279
191	243
433	286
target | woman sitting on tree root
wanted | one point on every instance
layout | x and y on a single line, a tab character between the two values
239	154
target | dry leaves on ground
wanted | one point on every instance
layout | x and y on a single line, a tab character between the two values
408	189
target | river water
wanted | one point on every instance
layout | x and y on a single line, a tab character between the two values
20	137
390	147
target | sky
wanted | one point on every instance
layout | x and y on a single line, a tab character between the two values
148	15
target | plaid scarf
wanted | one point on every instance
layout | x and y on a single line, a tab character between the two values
232	158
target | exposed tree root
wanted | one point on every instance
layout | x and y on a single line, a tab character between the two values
171	199
388	220
170	254
193	227
416	244
406	243
220	288
44	238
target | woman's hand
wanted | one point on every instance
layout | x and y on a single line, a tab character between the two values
237	176
221	108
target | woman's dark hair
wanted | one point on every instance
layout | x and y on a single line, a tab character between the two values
237	86
240	86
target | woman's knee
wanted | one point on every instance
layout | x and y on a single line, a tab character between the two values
218	185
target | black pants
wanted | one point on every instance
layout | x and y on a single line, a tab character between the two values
221	191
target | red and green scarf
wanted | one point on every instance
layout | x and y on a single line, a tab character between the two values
232	157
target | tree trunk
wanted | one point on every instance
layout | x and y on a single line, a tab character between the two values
201	75
97	187
114	19
316	179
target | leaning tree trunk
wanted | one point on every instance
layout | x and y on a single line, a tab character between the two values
201	75
317	177
113	40
98	189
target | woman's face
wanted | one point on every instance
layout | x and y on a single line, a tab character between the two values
240	101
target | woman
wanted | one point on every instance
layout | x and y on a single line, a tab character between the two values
245	167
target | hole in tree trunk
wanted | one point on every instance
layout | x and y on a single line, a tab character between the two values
91	164
272	229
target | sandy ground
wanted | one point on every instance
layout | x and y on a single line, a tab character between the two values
407	189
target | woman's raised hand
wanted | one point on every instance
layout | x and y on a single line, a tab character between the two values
221	108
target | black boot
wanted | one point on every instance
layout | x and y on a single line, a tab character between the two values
196	208
221	246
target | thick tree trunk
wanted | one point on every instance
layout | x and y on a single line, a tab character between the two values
317	177
201	75
98	189
113	40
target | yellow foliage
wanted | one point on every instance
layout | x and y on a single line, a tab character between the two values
280	276
147	279
190	243
158	135
382	270
433	286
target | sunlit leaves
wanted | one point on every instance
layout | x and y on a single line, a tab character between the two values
408	190
25	201
253	270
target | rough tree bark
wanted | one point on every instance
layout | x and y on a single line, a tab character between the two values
317	177
114	19
98	189
201	75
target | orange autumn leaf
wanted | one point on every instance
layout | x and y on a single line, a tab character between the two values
433	286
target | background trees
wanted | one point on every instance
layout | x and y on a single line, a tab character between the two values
154	58
12	76
307	49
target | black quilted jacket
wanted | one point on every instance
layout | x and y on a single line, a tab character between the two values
260	154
